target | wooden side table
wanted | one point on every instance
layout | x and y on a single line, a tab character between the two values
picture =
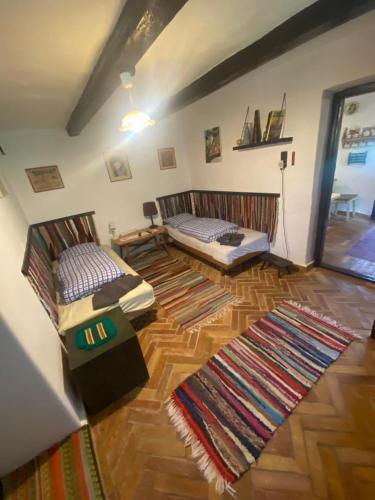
134	240
107	373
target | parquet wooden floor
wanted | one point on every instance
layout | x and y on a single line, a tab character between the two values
325	449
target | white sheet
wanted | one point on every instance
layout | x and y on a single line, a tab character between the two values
254	241
81	310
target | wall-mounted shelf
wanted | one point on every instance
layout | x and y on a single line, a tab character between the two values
283	140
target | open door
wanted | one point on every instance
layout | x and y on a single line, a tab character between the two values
346	229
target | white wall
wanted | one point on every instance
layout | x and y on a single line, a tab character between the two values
81	164
37	409
358	179
339	57
336	59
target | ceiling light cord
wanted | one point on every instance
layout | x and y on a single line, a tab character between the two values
283	198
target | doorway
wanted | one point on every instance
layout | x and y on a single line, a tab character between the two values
346	225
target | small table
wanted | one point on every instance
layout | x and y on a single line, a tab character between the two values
107	373
346	199
131	241
279	262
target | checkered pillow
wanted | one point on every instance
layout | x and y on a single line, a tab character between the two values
81	249
179	219
206	229
82	275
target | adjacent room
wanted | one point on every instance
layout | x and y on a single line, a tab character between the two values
187	238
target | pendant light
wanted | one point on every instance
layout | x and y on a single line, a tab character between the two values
135	120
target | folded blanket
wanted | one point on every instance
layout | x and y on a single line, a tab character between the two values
111	292
231	239
95	334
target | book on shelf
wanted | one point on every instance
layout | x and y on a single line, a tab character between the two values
274	126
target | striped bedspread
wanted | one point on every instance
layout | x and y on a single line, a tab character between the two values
206	229
82	273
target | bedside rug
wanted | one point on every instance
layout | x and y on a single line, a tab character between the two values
67	471
229	409
187	295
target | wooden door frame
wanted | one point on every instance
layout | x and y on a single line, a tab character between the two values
328	174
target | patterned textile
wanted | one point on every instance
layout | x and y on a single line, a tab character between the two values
64	233
81	249
251	210
45	242
40	275
179	219
67	471
188	296
206	229
95	334
175	204
230	408
81	275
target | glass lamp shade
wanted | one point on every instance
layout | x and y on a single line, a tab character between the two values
135	121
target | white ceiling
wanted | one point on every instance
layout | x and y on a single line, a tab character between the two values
48	50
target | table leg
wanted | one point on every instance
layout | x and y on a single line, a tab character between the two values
347	210
353	208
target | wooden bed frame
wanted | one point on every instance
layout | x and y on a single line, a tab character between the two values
45	241
257	211
224	268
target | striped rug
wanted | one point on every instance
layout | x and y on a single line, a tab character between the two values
229	409
188	296
67	471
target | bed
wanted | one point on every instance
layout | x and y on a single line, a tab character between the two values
255	214
46	243
253	244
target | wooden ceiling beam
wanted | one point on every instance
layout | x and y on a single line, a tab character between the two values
139	24
312	21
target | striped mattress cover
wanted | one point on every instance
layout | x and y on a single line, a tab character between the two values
254	241
79	311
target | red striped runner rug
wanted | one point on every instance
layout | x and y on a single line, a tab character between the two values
230	408
187	295
67	471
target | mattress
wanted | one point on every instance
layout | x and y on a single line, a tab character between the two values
81	310
254	241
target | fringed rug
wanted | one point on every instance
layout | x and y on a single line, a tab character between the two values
67	471
188	296
229	409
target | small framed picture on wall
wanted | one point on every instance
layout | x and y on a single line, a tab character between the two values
212	144
167	158
44	178
117	164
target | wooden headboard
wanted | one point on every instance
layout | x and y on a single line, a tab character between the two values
257	211
45	242
174	204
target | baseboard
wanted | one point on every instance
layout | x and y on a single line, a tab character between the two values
305	267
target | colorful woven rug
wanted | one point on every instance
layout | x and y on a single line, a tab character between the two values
188	296
229	409
67	471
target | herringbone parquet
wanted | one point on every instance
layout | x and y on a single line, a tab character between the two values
325	449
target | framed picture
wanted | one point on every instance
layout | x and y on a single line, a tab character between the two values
167	158
44	178
212	144
117	164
